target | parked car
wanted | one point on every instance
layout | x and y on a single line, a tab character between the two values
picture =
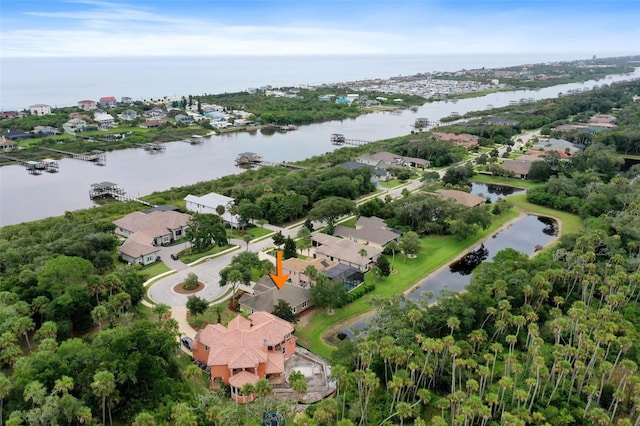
174	256
186	342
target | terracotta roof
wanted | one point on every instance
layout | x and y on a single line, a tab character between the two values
460	197
244	342
243	377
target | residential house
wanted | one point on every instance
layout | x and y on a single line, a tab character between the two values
463	198
184	119
518	167
87	105
325	98
46	131
552	144
105	121
152	124
129	115
499	121
209	203
74	126
16	135
156	112
245	351
463	139
144	232
11	114
7	144
385	160
377	173
108	102
349	276
266	296
296	269
344	251
368	231
126	100
40	109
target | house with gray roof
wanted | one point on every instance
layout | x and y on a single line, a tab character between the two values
348	275
368	230
377	173
344	251
266	295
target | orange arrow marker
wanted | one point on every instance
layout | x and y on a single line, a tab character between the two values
278	278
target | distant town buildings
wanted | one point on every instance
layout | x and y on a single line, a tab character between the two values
87	105
40	109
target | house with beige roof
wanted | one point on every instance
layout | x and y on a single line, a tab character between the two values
295	268
463	139
145	232
368	230
245	351
344	251
464	198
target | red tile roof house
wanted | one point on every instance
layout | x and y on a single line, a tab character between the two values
108	102
145	232
463	139
246	350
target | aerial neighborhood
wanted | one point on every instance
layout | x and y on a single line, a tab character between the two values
475	270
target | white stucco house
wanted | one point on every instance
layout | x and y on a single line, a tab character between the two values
40	109
208	204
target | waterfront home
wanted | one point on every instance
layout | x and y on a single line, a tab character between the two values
463	139
104	120
296	268
344	251
129	115
45	131
266	296
463	198
74	126
40	109
246	350
152	124
208	204
368	231
108	102
145	232
377	173
519	168
349	276
184	119
87	105
385	160
7	144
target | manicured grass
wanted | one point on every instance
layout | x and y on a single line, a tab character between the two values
351	222
435	252
391	183
570	222
189	258
497	180
254	231
155	269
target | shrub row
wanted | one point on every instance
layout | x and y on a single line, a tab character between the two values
360	291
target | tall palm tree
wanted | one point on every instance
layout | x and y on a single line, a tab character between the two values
298	384
5	387
104	386
160	310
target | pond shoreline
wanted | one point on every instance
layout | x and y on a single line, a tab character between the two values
328	334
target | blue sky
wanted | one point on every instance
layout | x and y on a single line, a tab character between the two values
208	27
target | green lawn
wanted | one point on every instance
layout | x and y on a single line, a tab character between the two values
254	231
436	251
156	269
391	183
570	222
189	258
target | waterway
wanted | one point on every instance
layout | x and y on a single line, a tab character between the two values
25	197
526	234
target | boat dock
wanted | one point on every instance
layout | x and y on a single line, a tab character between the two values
35	167
154	146
112	190
339	139
96	156
250	159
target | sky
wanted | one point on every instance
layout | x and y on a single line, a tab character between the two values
83	28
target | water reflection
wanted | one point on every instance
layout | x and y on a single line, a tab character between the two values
551	226
468	263
494	192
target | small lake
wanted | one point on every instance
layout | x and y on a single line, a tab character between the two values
526	234
494	192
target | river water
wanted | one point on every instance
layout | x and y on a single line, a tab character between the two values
526	234
25	197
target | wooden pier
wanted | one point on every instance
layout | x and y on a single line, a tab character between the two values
251	159
112	190
96	156
154	146
424	123
339	139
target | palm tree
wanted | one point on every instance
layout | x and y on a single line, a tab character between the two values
262	388
394	247
192	372
144	419
311	272
63	385
100	314
298	384
5	387
34	392
160	310
247	239
103	386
